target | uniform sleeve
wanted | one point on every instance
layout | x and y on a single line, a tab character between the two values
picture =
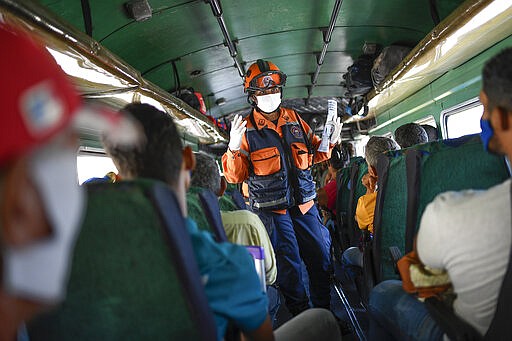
429	241
235	165
231	284
315	141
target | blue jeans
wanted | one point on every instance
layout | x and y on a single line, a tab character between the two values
295	235
396	315
274	302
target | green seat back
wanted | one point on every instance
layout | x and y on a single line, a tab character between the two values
346	199
457	165
405	190
124	283
390	211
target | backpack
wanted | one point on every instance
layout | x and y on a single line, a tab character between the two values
188	96
387	60
358	77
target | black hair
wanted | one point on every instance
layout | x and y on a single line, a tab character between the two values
377	145
341	154
497	80
159	156
206	174
410	134
431	132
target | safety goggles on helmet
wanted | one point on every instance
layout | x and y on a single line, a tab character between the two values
267	80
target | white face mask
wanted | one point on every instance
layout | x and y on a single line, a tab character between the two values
268	103
40	270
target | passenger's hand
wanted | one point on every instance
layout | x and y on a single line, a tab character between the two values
336	131
237	131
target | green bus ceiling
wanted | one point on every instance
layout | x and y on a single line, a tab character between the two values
289	33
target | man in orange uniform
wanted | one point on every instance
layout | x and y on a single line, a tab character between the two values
274	149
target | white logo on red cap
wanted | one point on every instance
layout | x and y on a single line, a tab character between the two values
42	111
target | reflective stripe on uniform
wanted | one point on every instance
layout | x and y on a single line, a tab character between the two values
270	203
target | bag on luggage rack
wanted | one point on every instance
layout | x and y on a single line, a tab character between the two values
358	77
387	60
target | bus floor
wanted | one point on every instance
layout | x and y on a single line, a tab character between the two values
345	304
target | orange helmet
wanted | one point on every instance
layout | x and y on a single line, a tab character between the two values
263	75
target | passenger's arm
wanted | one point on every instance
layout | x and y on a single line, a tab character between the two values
263	333
429	242
231	284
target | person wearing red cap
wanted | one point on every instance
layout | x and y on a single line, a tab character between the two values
40	200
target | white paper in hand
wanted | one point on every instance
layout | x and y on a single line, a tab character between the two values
332	110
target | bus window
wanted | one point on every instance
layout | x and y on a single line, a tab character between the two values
462	120
430	120
92	165
389	135
359	144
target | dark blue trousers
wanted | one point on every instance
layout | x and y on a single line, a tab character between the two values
294	236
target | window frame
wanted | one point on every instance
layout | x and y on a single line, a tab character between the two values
427	120
456	109
91	152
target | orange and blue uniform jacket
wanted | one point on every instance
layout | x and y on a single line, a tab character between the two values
275	159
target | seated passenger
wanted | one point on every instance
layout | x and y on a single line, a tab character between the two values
41	204
111	177
431	132
366	203
327	194
340	158
231	283
232	199
466	233
242	227
410	134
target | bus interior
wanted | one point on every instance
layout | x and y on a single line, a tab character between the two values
188	58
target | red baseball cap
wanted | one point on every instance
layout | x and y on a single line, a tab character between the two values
38	100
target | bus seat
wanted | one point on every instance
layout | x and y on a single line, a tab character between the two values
409	179
133	275
237	198
342	193
390	213
349	189
211	209
471	167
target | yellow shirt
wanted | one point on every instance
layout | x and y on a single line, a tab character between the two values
365	210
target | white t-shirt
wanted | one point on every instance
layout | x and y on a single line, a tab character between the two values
468	233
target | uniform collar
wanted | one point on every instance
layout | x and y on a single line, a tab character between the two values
262	121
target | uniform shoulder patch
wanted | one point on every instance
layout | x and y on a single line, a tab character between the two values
296	132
